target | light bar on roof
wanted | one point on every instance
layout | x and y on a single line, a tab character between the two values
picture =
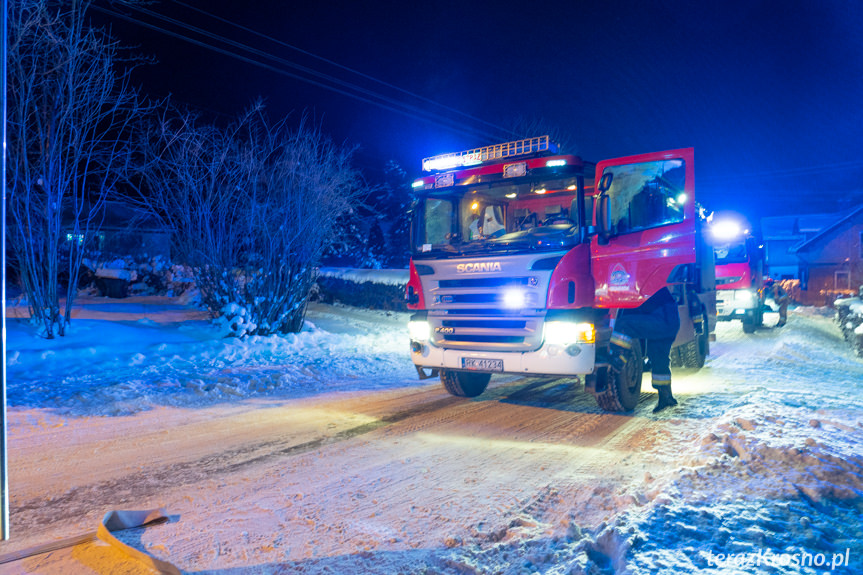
489	153
726	230
447	162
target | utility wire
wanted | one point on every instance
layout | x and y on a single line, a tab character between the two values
342	67
789	172
409	110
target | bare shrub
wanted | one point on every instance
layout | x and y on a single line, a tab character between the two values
252	208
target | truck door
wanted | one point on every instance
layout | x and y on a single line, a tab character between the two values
645	219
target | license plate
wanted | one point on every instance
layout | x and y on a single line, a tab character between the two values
480	364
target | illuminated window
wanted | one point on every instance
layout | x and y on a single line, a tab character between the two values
842	280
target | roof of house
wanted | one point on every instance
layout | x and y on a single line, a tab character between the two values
850	216
796	227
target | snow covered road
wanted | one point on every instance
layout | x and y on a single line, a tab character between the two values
322	453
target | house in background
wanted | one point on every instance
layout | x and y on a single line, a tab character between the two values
831	261
781	236
123	231
821	251
123	242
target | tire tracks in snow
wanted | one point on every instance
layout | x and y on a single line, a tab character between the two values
523	419
35	514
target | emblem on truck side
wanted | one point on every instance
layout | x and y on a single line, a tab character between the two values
619	279
478	267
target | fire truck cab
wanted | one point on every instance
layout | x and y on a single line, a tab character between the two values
739	273
520	264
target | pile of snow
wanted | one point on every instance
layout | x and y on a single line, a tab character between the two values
144	363
769	485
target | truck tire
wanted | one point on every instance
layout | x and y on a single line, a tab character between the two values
694	353
464	383
749	325
621	390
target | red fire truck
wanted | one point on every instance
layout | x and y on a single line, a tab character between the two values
509	275
739	273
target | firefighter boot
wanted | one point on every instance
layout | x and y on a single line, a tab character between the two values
617	349
665	398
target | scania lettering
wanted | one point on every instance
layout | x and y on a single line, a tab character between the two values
520	264
478	267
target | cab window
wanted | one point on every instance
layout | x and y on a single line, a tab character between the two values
438	221
647	195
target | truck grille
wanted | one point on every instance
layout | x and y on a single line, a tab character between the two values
499	310
493	332
470	313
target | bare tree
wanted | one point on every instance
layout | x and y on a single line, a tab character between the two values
69	117
252	208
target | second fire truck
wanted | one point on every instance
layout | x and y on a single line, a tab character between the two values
520	264
739	273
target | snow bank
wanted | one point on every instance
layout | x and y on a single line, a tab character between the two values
768	484
384	277
144	363
371	289
775	482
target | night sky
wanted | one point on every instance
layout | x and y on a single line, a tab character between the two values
770	94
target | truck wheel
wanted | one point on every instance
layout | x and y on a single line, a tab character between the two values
622	390
694	353
749	325
464	383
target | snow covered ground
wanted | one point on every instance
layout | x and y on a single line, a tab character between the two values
759	470
149	353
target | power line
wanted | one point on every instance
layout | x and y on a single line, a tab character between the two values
789	172
385	103
340	66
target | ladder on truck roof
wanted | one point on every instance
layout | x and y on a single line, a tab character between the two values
488	153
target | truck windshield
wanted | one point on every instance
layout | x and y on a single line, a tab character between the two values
503	216
731	254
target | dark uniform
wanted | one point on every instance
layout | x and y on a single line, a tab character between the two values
657	321
780	296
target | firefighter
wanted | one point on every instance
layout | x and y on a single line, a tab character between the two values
475	228
780	297
657	321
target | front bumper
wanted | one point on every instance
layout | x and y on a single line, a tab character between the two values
731	313
574	359
736	304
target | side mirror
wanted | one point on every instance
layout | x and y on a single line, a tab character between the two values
603	219
411	296
605	182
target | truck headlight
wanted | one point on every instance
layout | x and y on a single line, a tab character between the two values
566	332
419	330
744	297
514	298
